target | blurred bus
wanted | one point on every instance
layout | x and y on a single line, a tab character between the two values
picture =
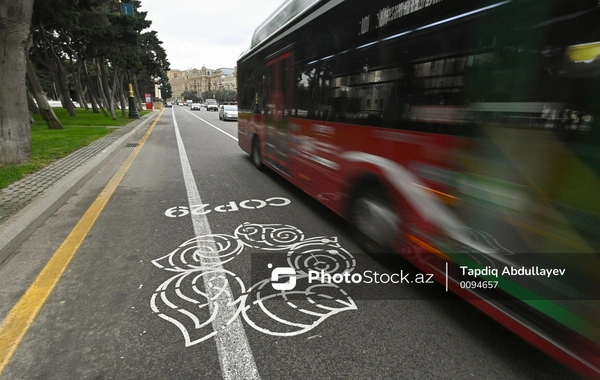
463	133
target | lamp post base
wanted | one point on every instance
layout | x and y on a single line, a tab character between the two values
133	113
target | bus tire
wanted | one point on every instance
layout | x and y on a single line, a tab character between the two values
372	218
256	157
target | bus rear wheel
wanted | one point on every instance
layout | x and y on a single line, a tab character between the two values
373	219
256	158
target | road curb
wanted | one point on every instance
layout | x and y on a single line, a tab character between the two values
20	226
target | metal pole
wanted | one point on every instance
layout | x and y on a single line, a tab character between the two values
133	113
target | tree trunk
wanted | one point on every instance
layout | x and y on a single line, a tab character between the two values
137	95
31	119
45	110
95	101
15	131
115	87
78	88
64	88
101	92
61	87
31	103
79	93
101	95
59	93
92	99
123	99
89	96
107	93
61	78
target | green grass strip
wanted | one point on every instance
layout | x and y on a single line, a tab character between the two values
48	145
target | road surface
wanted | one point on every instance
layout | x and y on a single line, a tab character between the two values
139	299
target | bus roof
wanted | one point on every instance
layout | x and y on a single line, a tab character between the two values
284	14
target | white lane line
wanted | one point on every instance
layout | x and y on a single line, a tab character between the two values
215	127
233	348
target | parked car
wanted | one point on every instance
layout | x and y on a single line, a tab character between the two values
195	106
228	112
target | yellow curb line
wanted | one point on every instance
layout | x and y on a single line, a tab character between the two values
20	318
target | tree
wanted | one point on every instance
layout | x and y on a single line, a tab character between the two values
15	132
191	95
220	95
43	106
166	91
123	47
154	64
52	19
81	47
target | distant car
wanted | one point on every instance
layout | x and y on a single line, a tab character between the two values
228	112
212	105
169	104
195	106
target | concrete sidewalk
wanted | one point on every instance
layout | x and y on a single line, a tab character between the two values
27	203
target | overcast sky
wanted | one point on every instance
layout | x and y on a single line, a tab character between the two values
213	33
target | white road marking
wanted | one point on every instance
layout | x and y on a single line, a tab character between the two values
215	127
268	237
235	355
233	207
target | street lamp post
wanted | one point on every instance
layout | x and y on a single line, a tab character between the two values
133	113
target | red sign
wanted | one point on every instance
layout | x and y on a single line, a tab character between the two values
148	101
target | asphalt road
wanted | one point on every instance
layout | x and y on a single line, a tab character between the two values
137	302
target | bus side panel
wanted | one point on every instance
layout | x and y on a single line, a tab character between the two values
245	131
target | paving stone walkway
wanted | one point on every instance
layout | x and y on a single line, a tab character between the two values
21	193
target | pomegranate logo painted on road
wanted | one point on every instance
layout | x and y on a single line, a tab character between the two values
271	307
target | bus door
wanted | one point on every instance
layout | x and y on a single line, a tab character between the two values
279	81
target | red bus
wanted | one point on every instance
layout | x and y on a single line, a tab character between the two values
463	135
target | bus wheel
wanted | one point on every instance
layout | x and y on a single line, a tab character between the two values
373	220
256	158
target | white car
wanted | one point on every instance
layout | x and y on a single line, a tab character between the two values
211	105
195	106
228	112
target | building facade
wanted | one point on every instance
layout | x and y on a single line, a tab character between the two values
201	80
229	82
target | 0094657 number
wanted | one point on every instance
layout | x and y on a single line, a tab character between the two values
478	284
